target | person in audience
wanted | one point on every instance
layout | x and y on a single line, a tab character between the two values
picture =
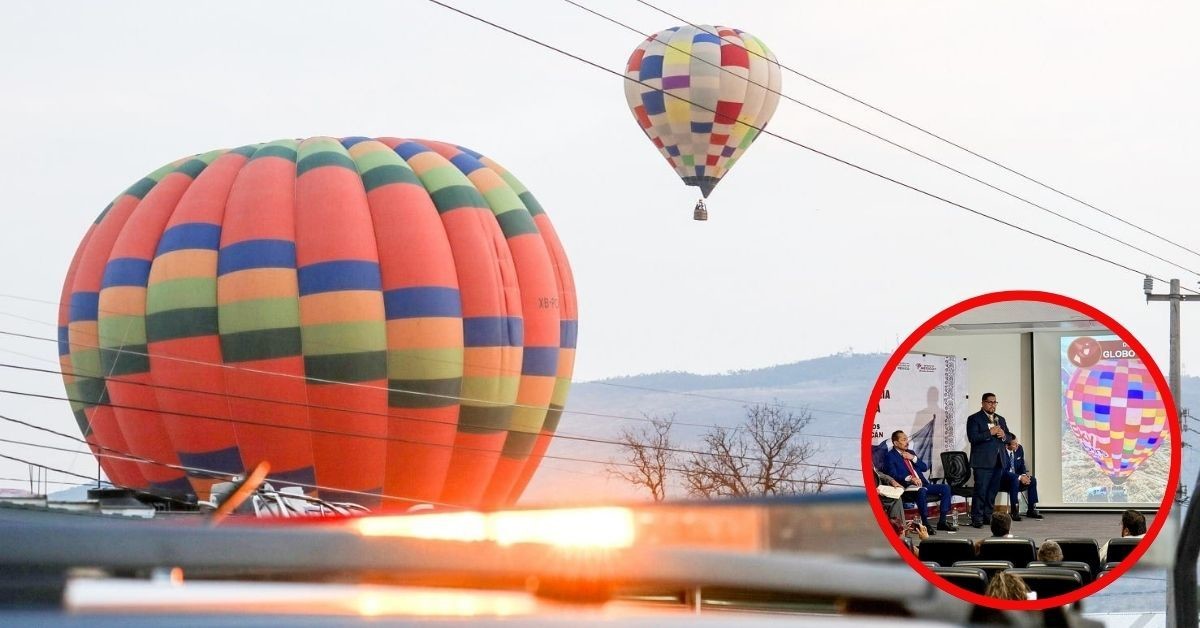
1016	478
1001	525
1006	585
904	465
1050	552
1133	525
987	432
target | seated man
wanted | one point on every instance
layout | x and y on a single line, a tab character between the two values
1016	478
1133	525
906	467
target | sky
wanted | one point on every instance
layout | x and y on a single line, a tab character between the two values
802	256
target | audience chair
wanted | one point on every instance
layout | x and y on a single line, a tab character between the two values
1017	551
1080	549
1049	581
972	579
1085	572
991	567
1120	548
945	552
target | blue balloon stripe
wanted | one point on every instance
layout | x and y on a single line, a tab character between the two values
223	460
193	235
126	271
540	361
470	152
493	331
85	306
569	333
347	142
422	302
256	254
339	275
466	163
408	150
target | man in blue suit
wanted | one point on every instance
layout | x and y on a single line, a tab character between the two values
1017	478
987	433
904	465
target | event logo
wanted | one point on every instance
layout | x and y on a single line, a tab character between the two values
1084	351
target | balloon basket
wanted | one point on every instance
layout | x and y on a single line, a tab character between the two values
701	211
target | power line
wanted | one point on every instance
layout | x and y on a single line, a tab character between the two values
47	467
930	133
100	337
873	134
456	398
197	470
511	371
26	481
210	473
372	437
799	144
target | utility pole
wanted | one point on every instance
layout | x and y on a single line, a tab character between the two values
1181	582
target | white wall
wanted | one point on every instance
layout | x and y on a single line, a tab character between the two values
996	363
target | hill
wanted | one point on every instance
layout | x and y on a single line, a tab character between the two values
833	388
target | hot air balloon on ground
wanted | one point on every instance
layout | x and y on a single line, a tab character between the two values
380	318
1117	414
702	96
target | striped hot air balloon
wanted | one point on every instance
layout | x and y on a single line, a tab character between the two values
374	317
702	96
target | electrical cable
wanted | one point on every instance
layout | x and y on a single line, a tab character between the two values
880	137
932	134
454	398
799	144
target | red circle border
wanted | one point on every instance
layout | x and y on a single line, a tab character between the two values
1164	508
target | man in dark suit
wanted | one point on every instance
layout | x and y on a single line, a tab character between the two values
1017	478
987	433
904	465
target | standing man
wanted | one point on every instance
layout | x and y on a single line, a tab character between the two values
904	465
1016	479
987	432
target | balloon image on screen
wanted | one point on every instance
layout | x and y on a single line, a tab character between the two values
1117	417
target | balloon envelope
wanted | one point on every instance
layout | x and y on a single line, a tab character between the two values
374	317
702	95
1117	415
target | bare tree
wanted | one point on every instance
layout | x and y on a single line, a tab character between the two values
650	456
766	455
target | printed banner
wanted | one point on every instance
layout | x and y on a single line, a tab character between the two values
926	397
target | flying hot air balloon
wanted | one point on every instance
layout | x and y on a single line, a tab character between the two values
702	95
374	318
1117	414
